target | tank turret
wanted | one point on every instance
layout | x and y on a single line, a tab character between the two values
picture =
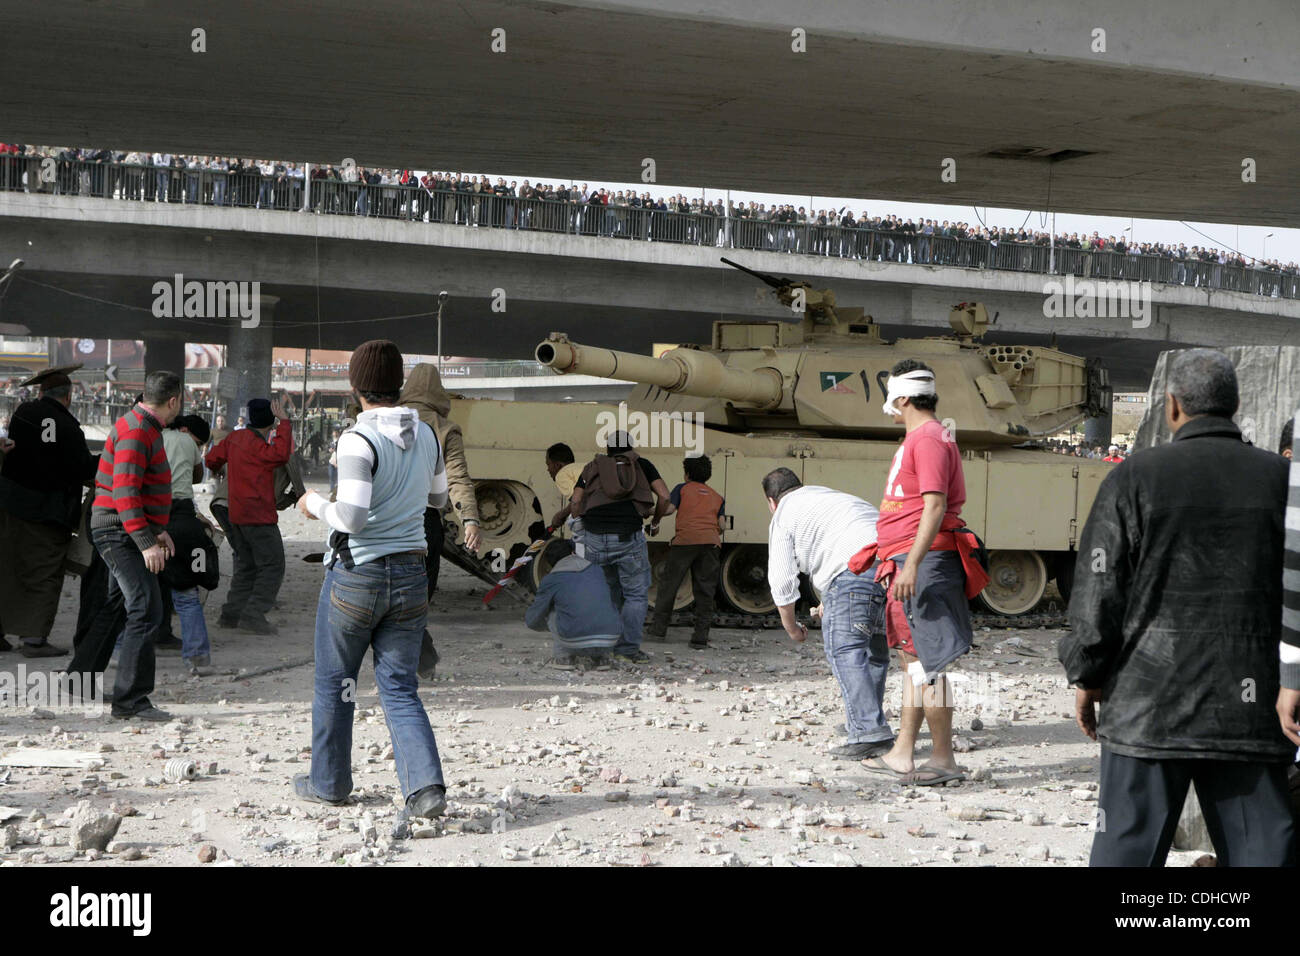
784	376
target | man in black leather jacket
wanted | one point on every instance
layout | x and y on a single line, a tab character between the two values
1176	618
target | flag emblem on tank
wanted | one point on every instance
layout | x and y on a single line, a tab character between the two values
834	382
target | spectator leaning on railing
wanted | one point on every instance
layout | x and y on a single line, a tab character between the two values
459	199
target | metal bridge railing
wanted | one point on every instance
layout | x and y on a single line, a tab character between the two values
250	189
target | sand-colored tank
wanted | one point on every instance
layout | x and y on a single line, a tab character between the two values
807	394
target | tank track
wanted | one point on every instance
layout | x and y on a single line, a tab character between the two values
1046	615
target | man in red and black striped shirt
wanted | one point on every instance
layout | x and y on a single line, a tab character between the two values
133	498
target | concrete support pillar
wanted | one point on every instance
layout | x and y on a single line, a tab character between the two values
1097	431
164	353
248	361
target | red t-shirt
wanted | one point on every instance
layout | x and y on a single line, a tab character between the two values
928	460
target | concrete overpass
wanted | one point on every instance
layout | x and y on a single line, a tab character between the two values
1038	108
91	266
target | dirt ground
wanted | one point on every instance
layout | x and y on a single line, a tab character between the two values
698	758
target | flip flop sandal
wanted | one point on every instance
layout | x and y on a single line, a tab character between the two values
878	766
941	776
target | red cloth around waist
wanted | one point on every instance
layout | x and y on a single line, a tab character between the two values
963	544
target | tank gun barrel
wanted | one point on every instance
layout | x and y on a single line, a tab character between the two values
685	371
776	282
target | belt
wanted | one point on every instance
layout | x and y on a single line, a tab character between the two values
621	535
401	557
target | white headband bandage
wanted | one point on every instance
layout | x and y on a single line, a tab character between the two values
907	385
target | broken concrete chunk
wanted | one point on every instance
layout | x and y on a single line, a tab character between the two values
91	828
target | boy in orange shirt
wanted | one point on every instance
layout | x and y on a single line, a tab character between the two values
696	547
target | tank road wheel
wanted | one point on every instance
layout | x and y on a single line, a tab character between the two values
505	510
658	561
744	579
1017	580
548	557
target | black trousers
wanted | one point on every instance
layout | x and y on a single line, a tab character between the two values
259	572
1245	804
100	618
137	587
433	537
702	561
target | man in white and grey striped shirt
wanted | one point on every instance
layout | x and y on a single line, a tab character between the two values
815	531
375	594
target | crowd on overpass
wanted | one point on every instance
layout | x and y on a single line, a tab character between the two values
476	202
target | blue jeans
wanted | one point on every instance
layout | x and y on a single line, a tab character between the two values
383	605
627	569
853	631
194	629
142	599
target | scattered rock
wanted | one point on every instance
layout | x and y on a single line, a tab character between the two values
91	828
207	853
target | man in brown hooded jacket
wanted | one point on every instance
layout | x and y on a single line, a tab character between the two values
424	393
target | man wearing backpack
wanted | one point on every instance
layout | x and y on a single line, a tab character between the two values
616	492
375	595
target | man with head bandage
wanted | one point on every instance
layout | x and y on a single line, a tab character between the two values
928	565
913	384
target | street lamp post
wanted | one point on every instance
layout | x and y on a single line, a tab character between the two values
442	301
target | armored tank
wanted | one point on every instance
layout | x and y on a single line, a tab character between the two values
806	393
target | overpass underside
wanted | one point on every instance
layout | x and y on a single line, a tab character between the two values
1157	124
93	268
